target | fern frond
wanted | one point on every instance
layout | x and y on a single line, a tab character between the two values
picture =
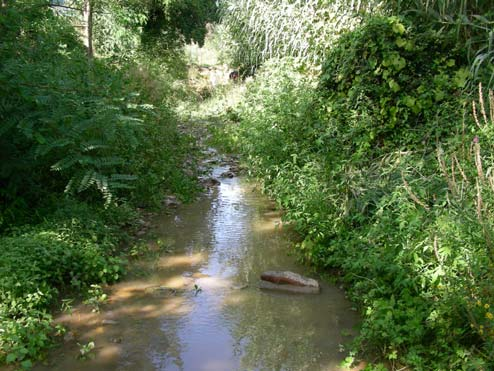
64	163
87	180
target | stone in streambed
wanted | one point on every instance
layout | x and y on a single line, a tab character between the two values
163	291
109	322
240	286
289	281
227	174
69	336
210	182
171	201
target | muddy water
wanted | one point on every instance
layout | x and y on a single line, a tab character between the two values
196	305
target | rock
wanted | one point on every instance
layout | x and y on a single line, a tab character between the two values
227	174
210	182
289	288
110	315
171	201
235	169
287	277
289	281
109	322
240	286
211	161
163	291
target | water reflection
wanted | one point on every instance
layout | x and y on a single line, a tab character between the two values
199	307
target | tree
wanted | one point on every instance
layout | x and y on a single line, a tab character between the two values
87	16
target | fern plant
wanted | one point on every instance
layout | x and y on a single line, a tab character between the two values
73	125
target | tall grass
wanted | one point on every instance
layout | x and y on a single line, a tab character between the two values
304	29
261	29
473	22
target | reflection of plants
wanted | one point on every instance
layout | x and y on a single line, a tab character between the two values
96	297
85	350
147	250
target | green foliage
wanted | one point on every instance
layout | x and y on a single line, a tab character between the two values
118	29
76	127
384	172
74	248
85	350
79	127
471	21
392	76
169	20
259	29
95	297
262	29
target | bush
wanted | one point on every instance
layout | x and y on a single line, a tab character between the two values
77	126
381	171
76	247
403	82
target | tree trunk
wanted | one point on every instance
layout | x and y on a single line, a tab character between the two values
87	14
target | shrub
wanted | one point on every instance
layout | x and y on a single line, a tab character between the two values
384	173
76	247
77	126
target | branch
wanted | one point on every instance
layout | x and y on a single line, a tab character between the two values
64	6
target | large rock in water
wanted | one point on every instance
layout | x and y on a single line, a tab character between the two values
289	281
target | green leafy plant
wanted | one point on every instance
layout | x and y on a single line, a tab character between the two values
38	262
382	168
95	297
85	350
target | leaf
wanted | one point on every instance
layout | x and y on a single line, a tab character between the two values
461	77
27	364
39	138
400	42
394	85
11	357
398	28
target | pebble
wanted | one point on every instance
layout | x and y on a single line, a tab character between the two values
109	322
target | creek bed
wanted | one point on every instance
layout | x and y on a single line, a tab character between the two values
197	307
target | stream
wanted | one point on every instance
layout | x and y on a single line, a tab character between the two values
196	305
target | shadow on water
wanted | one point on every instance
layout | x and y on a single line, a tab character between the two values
198	307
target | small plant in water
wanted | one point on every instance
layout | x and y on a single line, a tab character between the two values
139	249
67	305
163	246
95	297
85	350
197	289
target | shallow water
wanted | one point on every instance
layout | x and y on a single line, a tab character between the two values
189	308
